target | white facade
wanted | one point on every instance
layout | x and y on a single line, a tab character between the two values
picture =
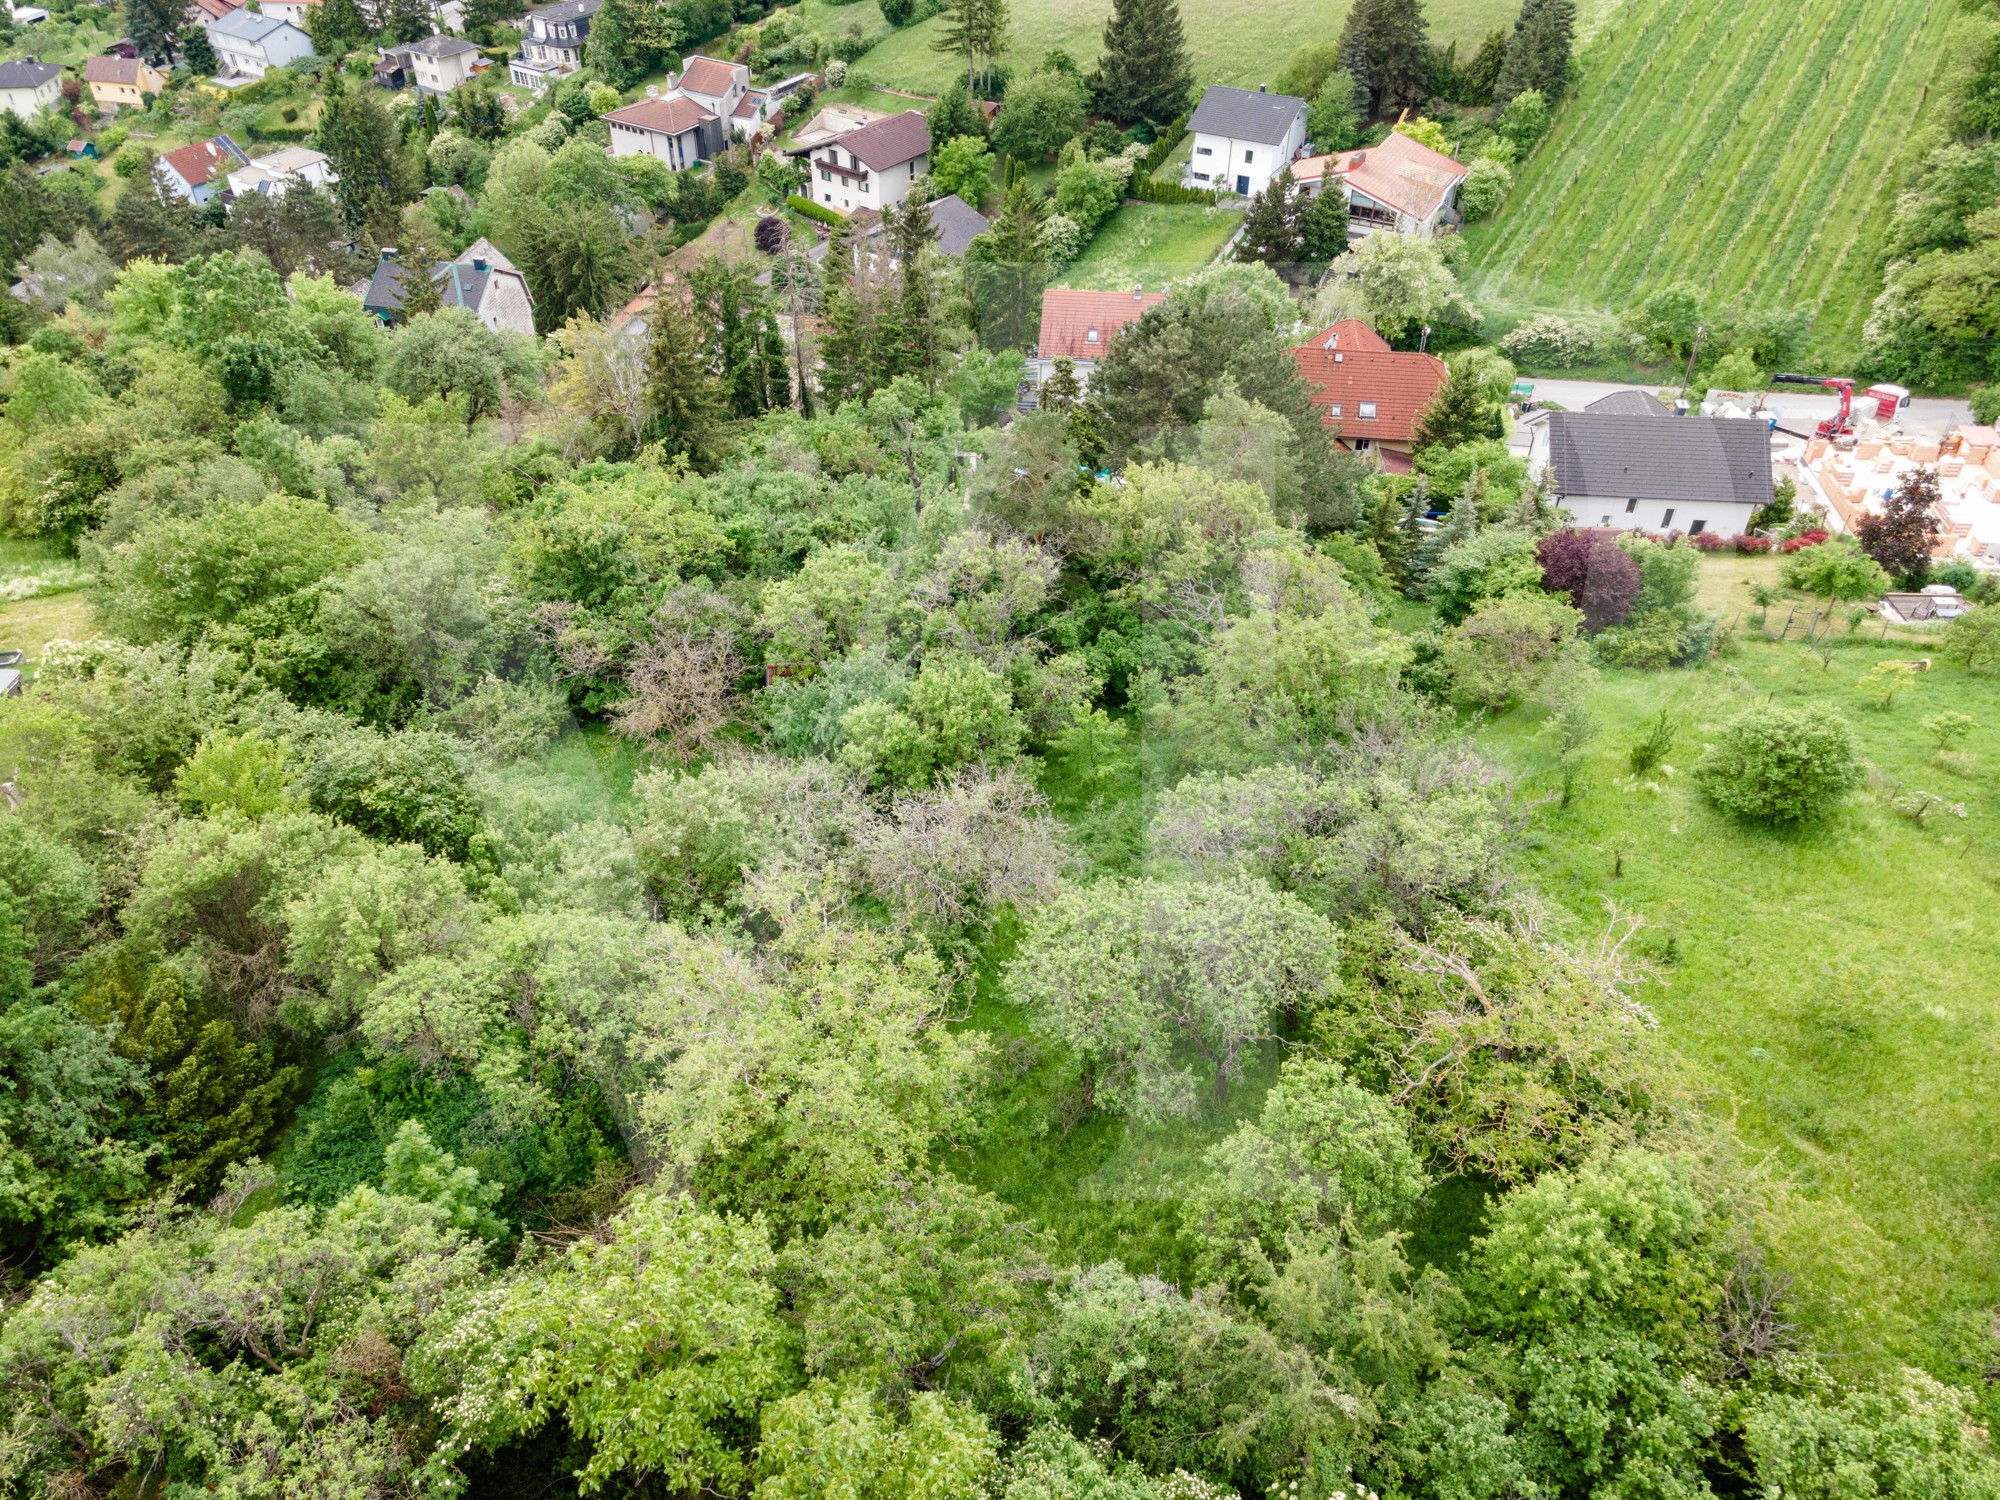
294	11
1243	167
444	70
250	45
677	151
274	175
841	181
29	100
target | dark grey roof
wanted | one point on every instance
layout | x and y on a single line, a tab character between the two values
440	46
1696	459
569	10
1630	404
1245	115
26	75
958	223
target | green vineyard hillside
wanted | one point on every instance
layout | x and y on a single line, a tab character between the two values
1753	150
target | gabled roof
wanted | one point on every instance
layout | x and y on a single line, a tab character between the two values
1349	334
197	163
1696	459
1399	386
957	222
440	46
249	25
568	10
1630	404
1244	115
26	75
215	9
113	70
461	283
707	75
1081	325
889	143
1403	173
674	116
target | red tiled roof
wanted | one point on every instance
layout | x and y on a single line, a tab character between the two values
199	162
889	143
215	10
1398	385
705	75
664	116
1069	318
746	109
1405	174
1350	334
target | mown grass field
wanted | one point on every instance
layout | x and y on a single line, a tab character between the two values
1753	150
1238	42
1151	243
1832	992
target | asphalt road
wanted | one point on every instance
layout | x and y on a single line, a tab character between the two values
1801	406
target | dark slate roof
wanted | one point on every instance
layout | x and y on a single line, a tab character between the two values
1630	404
1696	459
1245	115
889	143
958	223
569	10
440	46
26	75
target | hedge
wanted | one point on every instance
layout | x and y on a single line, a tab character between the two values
811	209
1147	190
1163	146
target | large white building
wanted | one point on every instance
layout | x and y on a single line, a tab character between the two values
28	88
1398	186
678	131
249	44
1656	473
439	64
1244	139
872	167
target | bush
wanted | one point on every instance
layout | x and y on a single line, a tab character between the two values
1746	543
811	209
1709	541
1811	537
1487	182
1550	341
1599	577
1780	765
1837	570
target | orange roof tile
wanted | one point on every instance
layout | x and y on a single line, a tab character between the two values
199	162
1405	174
1081	325
705	75
1350	334
665	116
1396	387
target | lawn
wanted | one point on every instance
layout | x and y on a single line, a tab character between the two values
1233	41
1151	243
1832	992
1737	147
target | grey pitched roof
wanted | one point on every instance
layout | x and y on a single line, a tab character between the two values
1695	459
1630	404
440	46
26	75
958	223
889	143
1245	115
569	10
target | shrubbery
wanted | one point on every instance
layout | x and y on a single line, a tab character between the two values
1551	341
1780	765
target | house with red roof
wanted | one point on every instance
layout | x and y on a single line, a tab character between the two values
871	167
1079	326
197	172
680	131
1369	395
1399	185
716	86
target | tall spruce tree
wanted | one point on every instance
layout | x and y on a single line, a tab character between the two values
955	115
1005	271
1273	228
1355	58
365	148
1538	52
1145	73
976	30
686	403
1456	415
153	25
336	27
1384	42
915	345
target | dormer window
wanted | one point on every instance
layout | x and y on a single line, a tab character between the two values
1090	336
1334	410
1368	411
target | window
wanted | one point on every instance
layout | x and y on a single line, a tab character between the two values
1605	522
1333	410
1695	528
1362	445
1090	337
1368	411
824	175
1667	516
1248	157
1204	151
1631	505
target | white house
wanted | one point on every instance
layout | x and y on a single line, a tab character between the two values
1242	139
249	44
439	64
482	279
716	86
1398	184
1656	472
552	39
677	130
274	175
872	167
294	11
191	171
28	88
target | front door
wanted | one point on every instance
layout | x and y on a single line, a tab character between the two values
1243	186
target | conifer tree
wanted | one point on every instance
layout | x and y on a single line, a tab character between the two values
681	386
918	347
1355	58
1538	52
976	30
336	27
1005	271
1456	415
1323	226
1459	525
1062	391
955	115
847	364
1384	42
153	25
365	149
1145	73
1272	229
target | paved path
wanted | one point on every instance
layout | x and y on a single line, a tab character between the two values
1801	406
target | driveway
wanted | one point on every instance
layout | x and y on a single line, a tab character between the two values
1801	406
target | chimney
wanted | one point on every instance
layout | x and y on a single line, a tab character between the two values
673	82
1263	88
1138	290
388	252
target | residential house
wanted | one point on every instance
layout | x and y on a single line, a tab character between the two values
716	86
439	64
27	15
275	175
294	11
192	172
1935	604
832	122
1368	394
1079	326
678	131
1242	139
201	12
116	81
249	44
872	167
1652	473
759	108
552	41
482	280
1398	185
27	88
1630	404
957	224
